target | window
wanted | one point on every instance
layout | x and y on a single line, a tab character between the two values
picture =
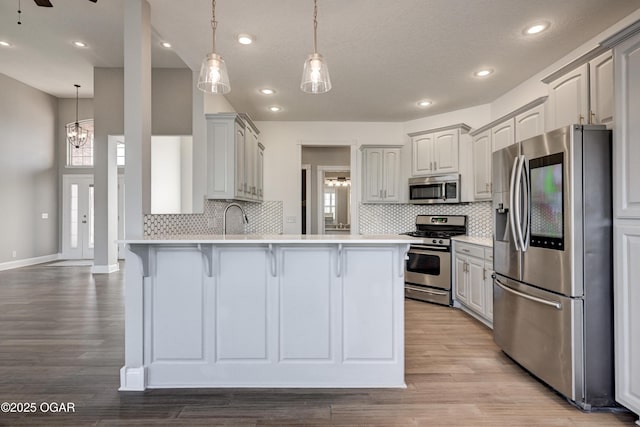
329	204
120	153
82	156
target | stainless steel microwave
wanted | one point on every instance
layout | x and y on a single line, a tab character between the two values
435	189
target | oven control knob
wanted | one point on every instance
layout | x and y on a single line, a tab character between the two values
435	241
440	241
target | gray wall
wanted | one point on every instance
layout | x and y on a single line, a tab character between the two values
28	171
322	156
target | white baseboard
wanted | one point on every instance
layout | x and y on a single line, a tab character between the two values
132	379
28	261
105	269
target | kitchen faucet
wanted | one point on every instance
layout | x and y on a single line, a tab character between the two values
224	216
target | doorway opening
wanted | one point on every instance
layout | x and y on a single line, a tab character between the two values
326	208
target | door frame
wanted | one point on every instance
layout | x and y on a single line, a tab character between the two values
307	171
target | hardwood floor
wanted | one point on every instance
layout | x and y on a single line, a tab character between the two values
61	340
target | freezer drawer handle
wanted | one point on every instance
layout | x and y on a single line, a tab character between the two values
426	291
554	304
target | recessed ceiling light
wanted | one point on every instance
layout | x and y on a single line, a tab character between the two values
245	38
537	28
4	43
424	103
78	43
165	45
267	91
274	108
483	73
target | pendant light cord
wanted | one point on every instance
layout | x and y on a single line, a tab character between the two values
214	23
77	87
315	26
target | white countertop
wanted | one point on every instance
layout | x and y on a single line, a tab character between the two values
482	241
276	238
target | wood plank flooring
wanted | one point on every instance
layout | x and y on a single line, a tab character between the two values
62	339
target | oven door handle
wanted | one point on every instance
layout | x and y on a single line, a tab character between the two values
423	250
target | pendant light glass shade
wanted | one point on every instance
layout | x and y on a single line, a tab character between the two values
213	71
315	75
213	75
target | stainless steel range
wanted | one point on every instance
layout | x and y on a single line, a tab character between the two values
427	273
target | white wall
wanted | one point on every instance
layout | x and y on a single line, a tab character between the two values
28	172
165	175
282	155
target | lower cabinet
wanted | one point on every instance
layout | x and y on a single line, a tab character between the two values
473	266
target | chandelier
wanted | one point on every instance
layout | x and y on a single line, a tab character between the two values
77	136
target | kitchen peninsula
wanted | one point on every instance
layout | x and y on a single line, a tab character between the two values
267	311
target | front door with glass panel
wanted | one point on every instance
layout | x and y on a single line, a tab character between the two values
78	217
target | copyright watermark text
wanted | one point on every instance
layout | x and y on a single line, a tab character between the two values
37	407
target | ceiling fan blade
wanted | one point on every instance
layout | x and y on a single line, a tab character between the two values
43	3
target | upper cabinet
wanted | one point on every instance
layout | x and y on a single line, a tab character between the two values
583	95
516	126
234	158
436	151
530	123
381	174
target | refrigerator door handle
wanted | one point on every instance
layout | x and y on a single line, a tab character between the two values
512	219
554	304
527	204
518	203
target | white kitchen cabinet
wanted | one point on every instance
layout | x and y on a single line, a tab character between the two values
583	95
472	279
530	123
482	165
381	174
503	134
436	151
260	172
626	198
601	89
233	157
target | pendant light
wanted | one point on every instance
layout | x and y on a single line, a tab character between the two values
315	75
77	136
213	72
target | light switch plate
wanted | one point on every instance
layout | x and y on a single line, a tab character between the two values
45	215
291	219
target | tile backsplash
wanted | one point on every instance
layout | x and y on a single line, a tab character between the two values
264	218
400	218
267	217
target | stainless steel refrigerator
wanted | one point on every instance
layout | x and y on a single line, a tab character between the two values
553	305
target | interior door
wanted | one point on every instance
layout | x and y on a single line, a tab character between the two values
78	217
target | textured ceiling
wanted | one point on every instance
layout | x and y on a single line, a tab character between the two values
383	56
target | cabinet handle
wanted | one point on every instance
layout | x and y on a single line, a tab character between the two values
385	194
381	194
435	165
465	250
430	165
592	118
484	274
581	119
486	186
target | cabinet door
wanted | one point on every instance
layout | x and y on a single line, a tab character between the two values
627	313
569	99
251	153
391	175
488	288
241	183
601	89
626	150
445	151
460	266
372	174
422	155
502	135
530	123
482	166
260	173
476	294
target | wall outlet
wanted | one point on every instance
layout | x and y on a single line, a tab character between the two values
211	222
291	219
14	254
45	215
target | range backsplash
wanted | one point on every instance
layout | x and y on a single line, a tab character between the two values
264	218
394	219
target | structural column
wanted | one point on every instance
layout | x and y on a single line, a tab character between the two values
137	131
